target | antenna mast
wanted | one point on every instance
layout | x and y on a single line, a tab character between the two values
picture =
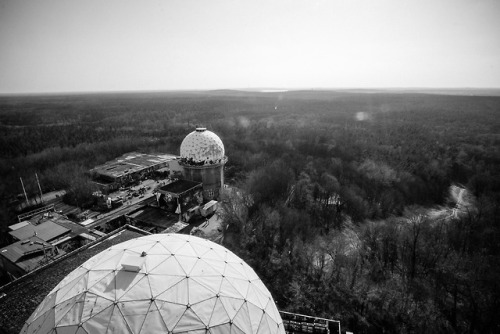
39	188
24	190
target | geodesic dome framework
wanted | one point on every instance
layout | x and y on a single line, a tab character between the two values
202	146
162	283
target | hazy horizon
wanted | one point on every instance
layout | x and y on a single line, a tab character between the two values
117	46
492	91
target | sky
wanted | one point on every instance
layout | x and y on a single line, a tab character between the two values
121	45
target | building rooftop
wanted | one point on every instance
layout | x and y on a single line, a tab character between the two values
130	163
30	254
23	295
154	216
180	186
149	214
75	229
304	324
14	252
48	226
46	231
176	228
18	225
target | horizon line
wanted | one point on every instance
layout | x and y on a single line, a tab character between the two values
247	89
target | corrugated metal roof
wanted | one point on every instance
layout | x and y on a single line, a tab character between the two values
18	225
46	231
180	186
17	250
153	216
131	162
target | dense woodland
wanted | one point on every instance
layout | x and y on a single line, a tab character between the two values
375	208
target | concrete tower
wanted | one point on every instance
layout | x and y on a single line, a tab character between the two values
203	160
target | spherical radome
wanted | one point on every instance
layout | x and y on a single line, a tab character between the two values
202	145
161	283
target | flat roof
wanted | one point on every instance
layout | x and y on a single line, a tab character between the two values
66	209
209	204
24	295
18	225
49	226
177	227
130	163
179	187
14	252
46	231
87	222
31	255
75	229
154	216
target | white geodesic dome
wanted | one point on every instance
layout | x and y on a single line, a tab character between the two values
204	146
161	283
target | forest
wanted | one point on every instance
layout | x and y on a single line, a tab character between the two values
378	209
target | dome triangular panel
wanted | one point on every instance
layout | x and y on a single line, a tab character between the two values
153	322
242	319
94	305
219	314
204	309
135	313
99	322
161	283
70	312
171	313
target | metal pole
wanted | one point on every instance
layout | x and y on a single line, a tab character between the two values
24	190
39	188
179	208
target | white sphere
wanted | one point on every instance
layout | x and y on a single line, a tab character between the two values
161	283
204	146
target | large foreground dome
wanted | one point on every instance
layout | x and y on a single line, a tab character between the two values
162	283
202	146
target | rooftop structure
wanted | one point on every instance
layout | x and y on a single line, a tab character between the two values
210	229
131	166
21	297
157	284
18	225
202	147
152	219
303	324
203	159
36	241
180	197
47	231
34	213
132	162
179	187
176	228
48	226
21	257
16	251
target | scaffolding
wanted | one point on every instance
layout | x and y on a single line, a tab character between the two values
304	324
28	215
